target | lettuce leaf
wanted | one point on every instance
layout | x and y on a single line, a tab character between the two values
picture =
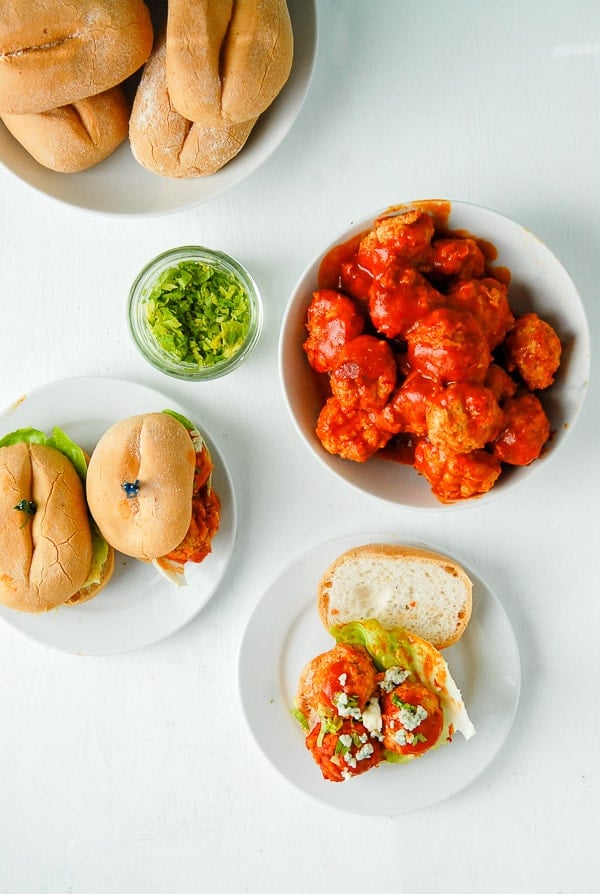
58	440
181	418
400	648
99	556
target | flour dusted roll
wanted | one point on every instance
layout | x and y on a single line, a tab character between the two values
165	142
55	52
227	59
149	490
50	554
75	137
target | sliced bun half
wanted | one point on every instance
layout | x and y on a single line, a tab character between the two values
46	546
399	586
140	483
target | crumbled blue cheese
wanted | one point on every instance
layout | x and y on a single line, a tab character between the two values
345	706
345	740
411	717
364	751
342	679
393	676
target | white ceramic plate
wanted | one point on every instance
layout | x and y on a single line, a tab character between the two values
138	607
119	185
539	283
284	632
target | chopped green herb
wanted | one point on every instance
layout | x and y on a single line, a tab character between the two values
26	506
197	313
297	713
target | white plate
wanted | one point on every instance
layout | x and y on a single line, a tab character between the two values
138	607
119	185
284	632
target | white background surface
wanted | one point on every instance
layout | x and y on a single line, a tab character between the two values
136	773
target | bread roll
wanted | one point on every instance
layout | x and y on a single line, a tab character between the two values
153	454
54	53
46	552
399	586
227	61
74	137
166	143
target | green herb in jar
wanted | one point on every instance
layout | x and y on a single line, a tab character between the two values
198	313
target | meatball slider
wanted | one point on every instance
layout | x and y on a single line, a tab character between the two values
50	551
149	489
379	696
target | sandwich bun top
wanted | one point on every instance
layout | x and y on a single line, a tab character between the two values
400	586
46	543
140	483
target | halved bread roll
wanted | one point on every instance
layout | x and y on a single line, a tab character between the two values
399	586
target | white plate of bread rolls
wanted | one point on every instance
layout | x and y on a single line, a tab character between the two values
286	629
143	108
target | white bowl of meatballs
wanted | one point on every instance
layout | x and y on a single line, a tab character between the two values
434	355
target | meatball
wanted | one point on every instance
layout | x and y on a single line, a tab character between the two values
355	280
449	346
456	257
456	476
463	417
399	296
402	237
412	718
332	319
533	349
353	434
406	410
344	752
500	383
365	374
487	300
344	679
526	430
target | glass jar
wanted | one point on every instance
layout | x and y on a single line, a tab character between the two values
194	313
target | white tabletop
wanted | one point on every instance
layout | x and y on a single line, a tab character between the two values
136	772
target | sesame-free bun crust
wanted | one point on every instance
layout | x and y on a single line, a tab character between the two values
400	586
156	450
74	137
56	52
165	142
227	59
45	556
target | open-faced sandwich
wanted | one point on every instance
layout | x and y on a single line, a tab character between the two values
384	693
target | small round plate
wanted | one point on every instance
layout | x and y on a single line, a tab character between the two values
284	632
121	186
139	606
